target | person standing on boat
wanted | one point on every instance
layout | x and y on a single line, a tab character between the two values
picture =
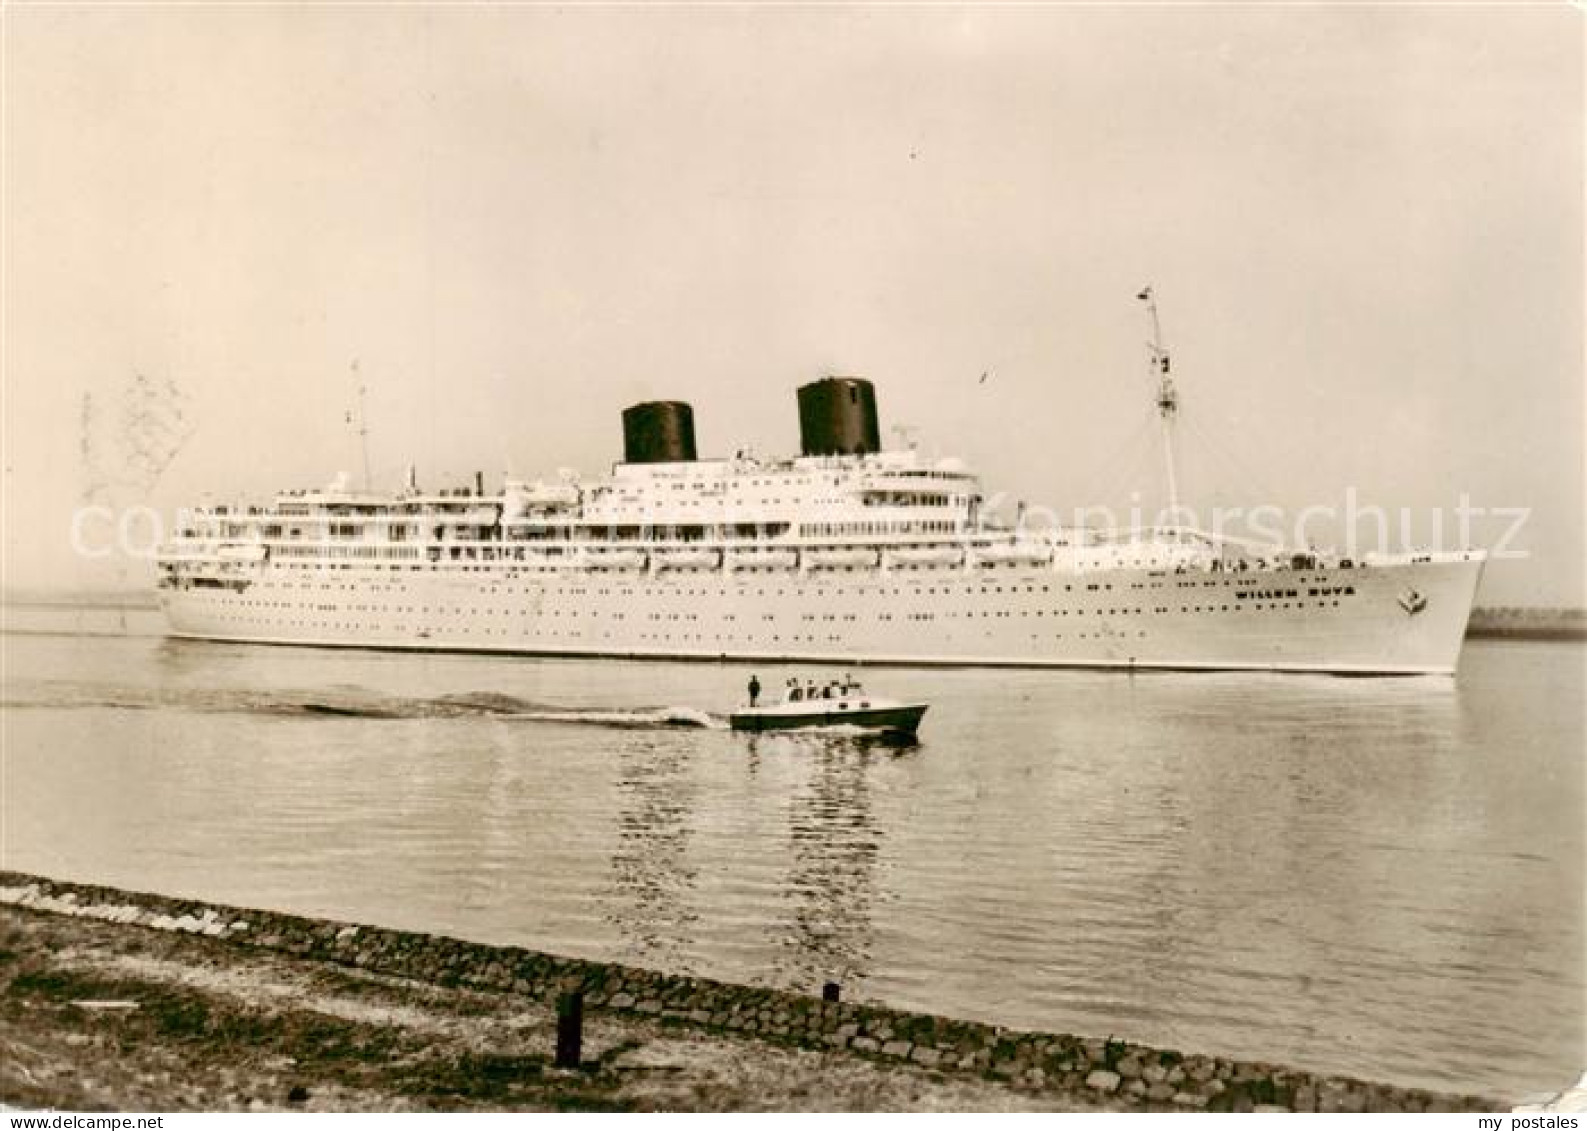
754	690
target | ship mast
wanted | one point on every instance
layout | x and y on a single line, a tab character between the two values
1160	368
363	427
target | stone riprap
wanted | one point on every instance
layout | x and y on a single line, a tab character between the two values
1125	1072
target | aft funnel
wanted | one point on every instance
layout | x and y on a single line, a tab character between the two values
837	416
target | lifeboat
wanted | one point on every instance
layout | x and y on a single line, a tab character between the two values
1014	553
840	558
686	559
925	555
522	499
615	559
763	559
242	552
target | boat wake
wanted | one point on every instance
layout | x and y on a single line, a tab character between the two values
357	703
643	719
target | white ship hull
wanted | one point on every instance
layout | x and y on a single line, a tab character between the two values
1401	618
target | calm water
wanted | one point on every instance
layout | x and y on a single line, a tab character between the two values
1378	877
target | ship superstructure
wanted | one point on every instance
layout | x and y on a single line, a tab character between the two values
846	553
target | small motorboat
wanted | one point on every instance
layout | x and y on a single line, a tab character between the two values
836	703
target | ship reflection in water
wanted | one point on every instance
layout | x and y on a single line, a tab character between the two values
833	842
653	880
822	927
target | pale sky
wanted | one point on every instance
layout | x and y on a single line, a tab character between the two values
1365	227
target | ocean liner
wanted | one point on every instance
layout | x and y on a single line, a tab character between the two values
846	553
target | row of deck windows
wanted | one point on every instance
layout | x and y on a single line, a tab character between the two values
944	615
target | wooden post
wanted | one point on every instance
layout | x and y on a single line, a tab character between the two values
570	1030
830	992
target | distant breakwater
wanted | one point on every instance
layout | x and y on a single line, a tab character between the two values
1131	1073
1527	624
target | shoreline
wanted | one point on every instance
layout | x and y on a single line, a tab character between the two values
711	1045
